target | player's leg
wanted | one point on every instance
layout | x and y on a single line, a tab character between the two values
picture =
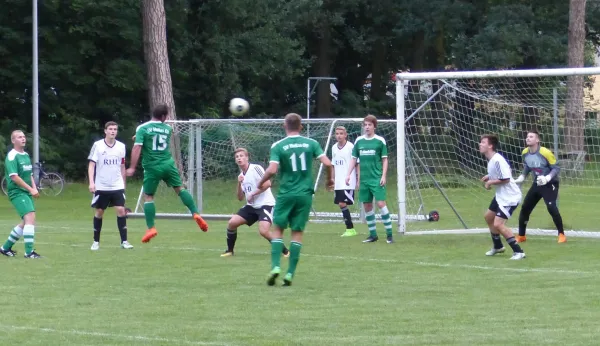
490	216
366	197
549	193
265	220
344	198
503	214
298	221
380	196
172	178
532	198
99	203
149	187
13	237
281	217
29	233
118	202
234	222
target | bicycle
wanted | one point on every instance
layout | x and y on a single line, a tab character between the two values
48	183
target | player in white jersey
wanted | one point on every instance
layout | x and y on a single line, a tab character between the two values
341	155
506	199
259	202
106	172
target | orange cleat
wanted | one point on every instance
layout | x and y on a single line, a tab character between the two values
201	223
150	233
521	238
562	238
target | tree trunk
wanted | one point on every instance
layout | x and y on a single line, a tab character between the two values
323	69
574	122
379	71
160	87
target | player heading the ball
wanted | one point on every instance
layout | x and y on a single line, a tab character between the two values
259	202
106	172
152	141
293	158
506	199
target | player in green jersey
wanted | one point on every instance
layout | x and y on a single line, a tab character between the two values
293	158
372	152
152	141
21	190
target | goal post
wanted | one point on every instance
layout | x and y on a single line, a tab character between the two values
444	114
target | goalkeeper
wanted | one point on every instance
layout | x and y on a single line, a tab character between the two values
543	164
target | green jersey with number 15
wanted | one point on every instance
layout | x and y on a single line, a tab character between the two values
154	137
295	155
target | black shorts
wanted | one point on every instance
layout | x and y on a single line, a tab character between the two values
343	196
106	199
504	212
548	192
251	214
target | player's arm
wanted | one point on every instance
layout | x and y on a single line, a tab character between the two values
124	174
261	188
12	169
526	169
504	174
136	151
357	175
384	164
240	192
92	159
269	172
552	164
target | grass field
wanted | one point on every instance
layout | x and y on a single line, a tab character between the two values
176	290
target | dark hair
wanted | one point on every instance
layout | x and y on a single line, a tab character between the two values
536	133
370	118
492	140
293	122
110	123
160	112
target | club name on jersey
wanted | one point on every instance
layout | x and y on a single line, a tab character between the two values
112	161
26	167
367	152
295	145
158	130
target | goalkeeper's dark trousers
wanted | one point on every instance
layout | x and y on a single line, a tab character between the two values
549	193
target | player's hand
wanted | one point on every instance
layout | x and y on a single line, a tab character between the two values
520	179
34	192
330	185
348	180
543	180
488	185
92	188
130	172
133	138
382	181
357	185
240	178
485	178
250	197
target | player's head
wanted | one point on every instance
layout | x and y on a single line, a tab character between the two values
340	134
160	113
110	130
370	124
293	123
533	138
241	157
18	139
488	144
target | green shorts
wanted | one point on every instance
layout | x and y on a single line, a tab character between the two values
167	173
367	192
293	211
23	203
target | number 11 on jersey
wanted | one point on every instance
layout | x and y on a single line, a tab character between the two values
302	162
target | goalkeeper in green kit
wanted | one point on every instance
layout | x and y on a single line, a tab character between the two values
152	142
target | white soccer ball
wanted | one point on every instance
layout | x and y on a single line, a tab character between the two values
238	106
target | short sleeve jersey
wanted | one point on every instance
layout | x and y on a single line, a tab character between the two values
252	176
507	194
370	152
109	160
341	158
540	162
155	138
295	155
17	163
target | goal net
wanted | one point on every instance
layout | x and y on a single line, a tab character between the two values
446	113
210	172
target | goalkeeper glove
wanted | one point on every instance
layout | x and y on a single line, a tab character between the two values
543	179
520	179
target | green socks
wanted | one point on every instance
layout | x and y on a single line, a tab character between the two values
387	220
370	216
276	248
28	234
149	213
295	248
14	236
188	200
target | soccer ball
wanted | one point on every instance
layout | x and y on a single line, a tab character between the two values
238	106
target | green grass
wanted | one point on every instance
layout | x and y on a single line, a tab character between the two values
176	290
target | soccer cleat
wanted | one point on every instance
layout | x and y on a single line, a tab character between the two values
33	254
390	240
518	256
201	223
7	253
95	246
273	276
349	233
286	254
227	253
371	239
126	245
562	238
151	233
494	251
521	238
287	279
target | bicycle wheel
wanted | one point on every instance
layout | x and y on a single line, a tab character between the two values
51	184
4	186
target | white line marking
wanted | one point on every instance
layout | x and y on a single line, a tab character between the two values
109	335
379	260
